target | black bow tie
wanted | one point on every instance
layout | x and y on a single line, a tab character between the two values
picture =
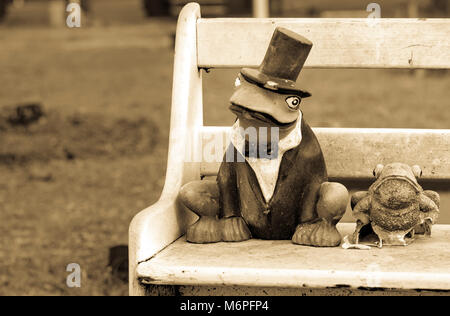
260	150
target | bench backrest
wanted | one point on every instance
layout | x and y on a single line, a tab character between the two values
338	43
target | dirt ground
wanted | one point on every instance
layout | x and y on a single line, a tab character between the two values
71	181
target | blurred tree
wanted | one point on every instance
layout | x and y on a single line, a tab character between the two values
118	261
3	8
157	7
436	9
440	6
84	4
240	7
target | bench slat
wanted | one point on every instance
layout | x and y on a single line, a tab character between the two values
338	43
353	153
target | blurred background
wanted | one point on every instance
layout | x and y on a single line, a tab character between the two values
84	122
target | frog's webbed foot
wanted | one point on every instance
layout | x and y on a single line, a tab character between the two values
424	228
391	238
206	230
234	229
202	197
318	233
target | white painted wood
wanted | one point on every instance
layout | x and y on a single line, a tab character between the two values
231	290
338	43
353	153
159	225
344	14
421	265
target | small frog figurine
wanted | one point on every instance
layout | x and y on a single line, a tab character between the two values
269	189
394	206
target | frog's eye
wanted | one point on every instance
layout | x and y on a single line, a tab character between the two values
293	102
416	171
377	170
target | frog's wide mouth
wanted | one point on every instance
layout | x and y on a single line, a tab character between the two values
241	111
398	178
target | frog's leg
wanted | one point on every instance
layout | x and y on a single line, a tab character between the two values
362	209
333	201
356	197
361	212
233	226
434	196
380	244
428	223
359	226
202	197
320	230
429	206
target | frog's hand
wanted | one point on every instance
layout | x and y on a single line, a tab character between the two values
358	196
434	196
362	209
429	208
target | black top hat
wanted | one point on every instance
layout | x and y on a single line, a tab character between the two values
284	59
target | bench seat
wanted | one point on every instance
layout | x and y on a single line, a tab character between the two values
424	264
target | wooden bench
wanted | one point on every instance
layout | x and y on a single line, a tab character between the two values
160	259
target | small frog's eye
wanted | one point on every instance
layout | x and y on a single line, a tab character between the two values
293	102
377	170
417	171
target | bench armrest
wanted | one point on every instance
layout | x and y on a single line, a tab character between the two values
152	229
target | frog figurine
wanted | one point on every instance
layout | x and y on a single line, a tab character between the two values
395	206
273	185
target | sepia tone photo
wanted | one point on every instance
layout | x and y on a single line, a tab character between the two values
224	148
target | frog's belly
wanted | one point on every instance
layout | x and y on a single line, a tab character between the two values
402	219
